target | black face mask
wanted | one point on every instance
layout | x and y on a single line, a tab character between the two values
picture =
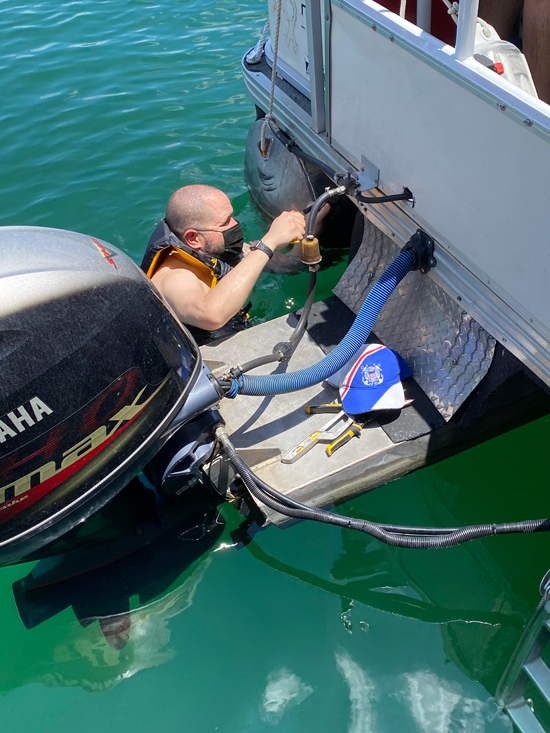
233	240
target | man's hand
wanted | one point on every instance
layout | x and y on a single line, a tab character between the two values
287	226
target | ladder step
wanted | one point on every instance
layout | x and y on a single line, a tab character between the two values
540	674
525	719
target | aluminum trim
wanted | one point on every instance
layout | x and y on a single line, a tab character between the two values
316	72
328	74
286	73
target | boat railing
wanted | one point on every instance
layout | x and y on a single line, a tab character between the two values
317	13
466	31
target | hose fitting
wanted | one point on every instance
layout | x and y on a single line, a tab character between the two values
422	247
322	199
311	253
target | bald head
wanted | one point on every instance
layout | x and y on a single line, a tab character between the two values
194	207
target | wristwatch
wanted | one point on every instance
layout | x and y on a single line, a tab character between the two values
264	248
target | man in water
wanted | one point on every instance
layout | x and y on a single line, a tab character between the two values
195	259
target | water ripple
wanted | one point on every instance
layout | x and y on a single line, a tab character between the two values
109	107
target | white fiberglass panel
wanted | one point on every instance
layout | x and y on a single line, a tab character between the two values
292	34
481	179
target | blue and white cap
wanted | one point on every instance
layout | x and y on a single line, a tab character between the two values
372	380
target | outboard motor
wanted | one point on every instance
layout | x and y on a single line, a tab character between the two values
94	371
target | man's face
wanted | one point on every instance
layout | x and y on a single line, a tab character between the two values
219	218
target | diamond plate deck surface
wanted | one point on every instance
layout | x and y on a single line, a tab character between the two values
448	351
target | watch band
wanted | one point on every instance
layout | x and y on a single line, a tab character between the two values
264	248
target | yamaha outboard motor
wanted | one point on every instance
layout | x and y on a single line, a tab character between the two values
94	371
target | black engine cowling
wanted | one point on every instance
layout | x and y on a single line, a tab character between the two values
94	367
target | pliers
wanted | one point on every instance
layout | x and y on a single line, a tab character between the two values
354	431
336	433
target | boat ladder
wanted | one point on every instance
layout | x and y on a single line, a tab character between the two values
524	691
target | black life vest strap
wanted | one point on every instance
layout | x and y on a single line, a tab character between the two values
163	238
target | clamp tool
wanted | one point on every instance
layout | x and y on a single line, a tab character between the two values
353	432
337	432
329	433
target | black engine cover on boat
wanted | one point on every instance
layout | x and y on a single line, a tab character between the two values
94	368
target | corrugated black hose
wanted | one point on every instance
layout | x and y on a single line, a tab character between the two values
296	150
416	538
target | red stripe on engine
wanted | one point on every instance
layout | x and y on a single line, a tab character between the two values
40	490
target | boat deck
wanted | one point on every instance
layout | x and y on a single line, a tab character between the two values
398	442
264	428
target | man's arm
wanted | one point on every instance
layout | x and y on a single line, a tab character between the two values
211	308
208	308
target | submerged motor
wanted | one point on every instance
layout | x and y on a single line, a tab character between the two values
95	369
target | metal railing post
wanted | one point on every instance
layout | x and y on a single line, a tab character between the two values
424	15
316	74
466	31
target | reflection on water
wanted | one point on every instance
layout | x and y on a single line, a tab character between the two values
397	600
439	706
107	108
395	650
165	548
283	689
362	693
93	662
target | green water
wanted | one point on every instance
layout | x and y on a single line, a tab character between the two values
108	106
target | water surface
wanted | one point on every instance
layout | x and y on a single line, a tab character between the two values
107	108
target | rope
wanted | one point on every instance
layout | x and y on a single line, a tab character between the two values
452	9
403	8
269	115
255	55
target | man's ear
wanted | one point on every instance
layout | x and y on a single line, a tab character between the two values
193	238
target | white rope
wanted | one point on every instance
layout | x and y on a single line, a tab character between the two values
403	8
269	115
452	9
256	54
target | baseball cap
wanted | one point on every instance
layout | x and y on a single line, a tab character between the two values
371	380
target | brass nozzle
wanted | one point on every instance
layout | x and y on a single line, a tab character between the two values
311	254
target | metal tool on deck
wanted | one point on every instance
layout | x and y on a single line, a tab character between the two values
329	433
329	407
349	428
353	432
